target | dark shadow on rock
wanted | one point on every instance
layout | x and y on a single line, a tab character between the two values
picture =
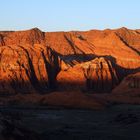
72	44
30	71
2	43
52	62
102	84
52	65
132	48
79	58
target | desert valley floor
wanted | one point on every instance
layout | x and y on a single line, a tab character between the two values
41	123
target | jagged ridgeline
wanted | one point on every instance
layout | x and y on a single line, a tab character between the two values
34	61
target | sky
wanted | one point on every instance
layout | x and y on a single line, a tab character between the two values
66	15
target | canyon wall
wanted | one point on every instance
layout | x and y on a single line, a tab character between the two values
33	61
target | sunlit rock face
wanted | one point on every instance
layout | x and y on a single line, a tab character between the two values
130	85
36	61
101	75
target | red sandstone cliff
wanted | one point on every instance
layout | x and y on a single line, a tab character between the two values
35	61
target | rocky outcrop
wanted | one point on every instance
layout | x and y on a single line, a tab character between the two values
130	38
101	75
34	61
130	85
2	43
30	37
25	69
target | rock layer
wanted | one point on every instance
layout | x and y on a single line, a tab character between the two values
35	61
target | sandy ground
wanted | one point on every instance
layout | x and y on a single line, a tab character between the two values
119	122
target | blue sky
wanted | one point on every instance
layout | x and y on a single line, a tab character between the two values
65	15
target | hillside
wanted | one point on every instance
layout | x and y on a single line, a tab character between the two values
95	61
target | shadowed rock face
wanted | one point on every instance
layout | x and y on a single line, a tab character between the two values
28	69
35	61
101	75
130	85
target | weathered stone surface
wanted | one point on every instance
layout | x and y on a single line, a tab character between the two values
35	61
